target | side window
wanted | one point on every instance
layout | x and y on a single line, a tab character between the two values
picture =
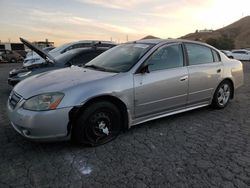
83	58
80	45
239	52
166	58
216	56
198	54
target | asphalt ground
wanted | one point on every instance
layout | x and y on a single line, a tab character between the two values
200	148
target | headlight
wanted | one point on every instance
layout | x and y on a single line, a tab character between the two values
22	74
47	101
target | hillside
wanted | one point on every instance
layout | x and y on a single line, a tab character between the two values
238	31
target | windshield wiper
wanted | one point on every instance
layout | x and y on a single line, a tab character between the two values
95	67
100	68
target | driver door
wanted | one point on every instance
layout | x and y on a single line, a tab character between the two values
164	88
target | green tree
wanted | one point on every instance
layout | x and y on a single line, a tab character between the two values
223	42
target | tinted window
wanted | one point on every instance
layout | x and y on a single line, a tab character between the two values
84	58
239	52
198	54
80	45
105	45
165	58
216	56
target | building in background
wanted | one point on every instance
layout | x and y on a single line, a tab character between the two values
13	46
43	44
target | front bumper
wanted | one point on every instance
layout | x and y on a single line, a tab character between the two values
40	126
13	81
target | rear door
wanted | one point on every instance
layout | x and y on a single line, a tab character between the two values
205	71
164	88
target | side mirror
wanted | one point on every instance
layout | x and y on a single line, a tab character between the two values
144	69
68	64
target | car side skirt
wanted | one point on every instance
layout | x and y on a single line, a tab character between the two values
161	115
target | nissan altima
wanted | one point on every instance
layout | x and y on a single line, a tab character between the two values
129	84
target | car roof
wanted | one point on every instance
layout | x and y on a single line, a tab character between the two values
169	41
240	50
71	53
92	42
158	41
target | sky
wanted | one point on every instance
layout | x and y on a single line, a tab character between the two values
65	21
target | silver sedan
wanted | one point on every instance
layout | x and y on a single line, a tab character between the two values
126	85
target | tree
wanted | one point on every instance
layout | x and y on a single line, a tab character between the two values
223	42
212	42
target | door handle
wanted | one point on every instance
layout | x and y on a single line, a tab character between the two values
183	78
219	70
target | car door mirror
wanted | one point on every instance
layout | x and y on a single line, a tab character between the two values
145	69
68	64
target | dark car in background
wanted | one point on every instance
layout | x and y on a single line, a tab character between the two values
66	47
11	56
78	57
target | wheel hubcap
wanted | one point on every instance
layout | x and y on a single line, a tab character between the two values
223	94
100	127
103	127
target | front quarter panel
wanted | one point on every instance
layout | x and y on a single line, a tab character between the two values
119	86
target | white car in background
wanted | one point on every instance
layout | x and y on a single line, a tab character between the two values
227	53
242	54
33	58
66	47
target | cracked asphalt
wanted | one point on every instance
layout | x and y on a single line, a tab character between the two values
200	148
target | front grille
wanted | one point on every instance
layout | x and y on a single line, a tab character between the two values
14	100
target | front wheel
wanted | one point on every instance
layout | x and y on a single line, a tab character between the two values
98	124
222	95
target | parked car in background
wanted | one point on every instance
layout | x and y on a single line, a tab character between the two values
66	47
243	55
124	86
227	53
11	56
33	57
1	59
46	49
78	56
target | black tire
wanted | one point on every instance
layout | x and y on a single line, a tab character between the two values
98	124
222	95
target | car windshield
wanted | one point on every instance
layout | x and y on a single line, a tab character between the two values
120	58
59	48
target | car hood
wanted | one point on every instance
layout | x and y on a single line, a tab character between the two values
32	67
41	53
58	80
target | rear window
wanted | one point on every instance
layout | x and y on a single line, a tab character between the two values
216	56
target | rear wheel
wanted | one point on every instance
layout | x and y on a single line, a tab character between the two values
98	124
222	95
